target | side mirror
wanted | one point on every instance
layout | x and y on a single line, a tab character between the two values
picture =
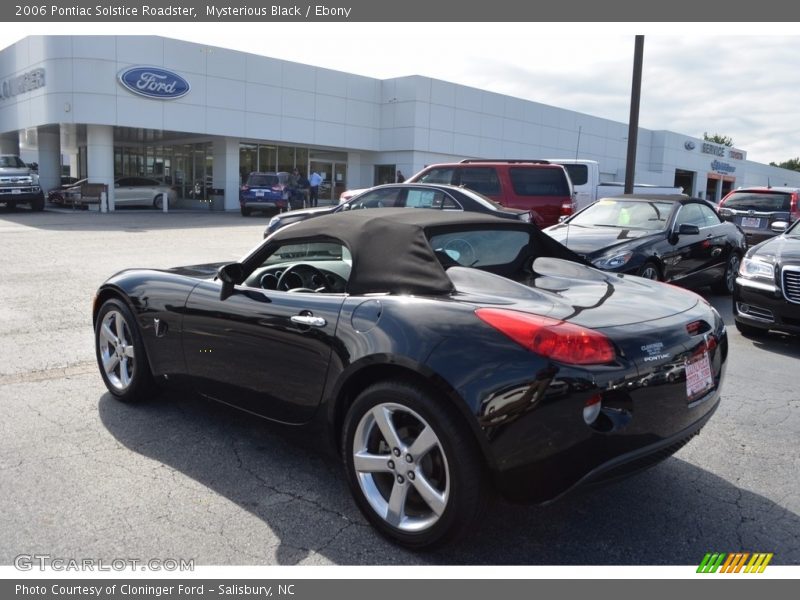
779	226
688	229
562	218
229	275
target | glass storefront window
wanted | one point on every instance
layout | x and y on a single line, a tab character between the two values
286	159
267	158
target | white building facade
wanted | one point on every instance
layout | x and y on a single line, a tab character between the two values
66	104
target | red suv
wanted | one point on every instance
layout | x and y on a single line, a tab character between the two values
538	186
755	209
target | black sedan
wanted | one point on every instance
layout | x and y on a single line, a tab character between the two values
671	238
406	195
767	292
445	355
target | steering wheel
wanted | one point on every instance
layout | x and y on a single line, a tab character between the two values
283	283
464	250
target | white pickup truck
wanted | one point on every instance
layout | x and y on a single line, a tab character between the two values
18	184
585	176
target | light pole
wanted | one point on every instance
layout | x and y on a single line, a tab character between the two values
633	122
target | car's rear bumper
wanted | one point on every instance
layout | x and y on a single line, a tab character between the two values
601	457
263	204
762	305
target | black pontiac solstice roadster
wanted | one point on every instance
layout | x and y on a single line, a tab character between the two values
446	355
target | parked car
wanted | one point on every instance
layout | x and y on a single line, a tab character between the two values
70	189
671	238
19	184
446	355
142	191
538	186
755	209
406	195
264	191
767	291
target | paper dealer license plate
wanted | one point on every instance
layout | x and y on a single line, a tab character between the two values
698	376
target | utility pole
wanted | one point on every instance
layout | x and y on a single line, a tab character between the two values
633	122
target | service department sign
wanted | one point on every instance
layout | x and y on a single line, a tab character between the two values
154	82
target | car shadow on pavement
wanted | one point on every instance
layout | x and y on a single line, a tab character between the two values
669	515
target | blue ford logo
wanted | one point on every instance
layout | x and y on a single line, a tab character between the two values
689	145
154	82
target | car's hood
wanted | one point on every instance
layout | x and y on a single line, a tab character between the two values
206	271
779	250
305	213
572	292
13	172
594	241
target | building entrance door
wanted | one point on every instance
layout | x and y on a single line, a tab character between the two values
334	180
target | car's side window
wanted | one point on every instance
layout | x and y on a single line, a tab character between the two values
382	198
424	199
444	175
711	218
310	267
690	214
483	180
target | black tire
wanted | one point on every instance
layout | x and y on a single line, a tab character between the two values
11	206
650	270
121	354
245	211
158	202
749	330
451	466
37	205
725	285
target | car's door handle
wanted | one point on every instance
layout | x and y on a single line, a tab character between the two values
309	320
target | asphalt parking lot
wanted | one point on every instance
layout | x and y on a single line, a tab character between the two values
84	476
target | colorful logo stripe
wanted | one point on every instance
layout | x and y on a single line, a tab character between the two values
734	562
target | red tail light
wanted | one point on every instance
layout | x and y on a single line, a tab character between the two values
567	207
557	340
794	209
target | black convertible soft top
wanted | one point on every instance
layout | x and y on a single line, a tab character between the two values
390	246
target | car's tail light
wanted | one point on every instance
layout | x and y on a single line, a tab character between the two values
794	209
558	340
567	208
697	327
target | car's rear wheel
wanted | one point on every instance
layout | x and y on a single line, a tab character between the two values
158	202
725	285
121	354
649	270
245	211
413	467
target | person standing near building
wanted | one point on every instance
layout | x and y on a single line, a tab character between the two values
400	178
313	190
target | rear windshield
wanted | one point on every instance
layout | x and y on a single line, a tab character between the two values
479	248
262	180
759	201
539	181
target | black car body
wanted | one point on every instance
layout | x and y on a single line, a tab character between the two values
445	355
671	238
406	195
756	209
767	291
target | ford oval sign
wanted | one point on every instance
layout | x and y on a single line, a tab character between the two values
154	82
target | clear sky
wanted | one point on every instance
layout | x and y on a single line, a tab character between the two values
742	81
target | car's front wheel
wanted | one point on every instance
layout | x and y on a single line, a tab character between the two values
121	354
725	284
37	205
649	270
158	202
413	466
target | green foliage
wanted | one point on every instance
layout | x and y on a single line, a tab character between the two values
718	139
793	164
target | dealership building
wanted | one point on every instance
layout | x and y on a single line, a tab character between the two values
200	118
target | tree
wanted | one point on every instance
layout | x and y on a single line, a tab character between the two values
718	139
793	164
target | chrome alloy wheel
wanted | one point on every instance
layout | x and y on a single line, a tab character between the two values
115	343
401	467
649	272
732	272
